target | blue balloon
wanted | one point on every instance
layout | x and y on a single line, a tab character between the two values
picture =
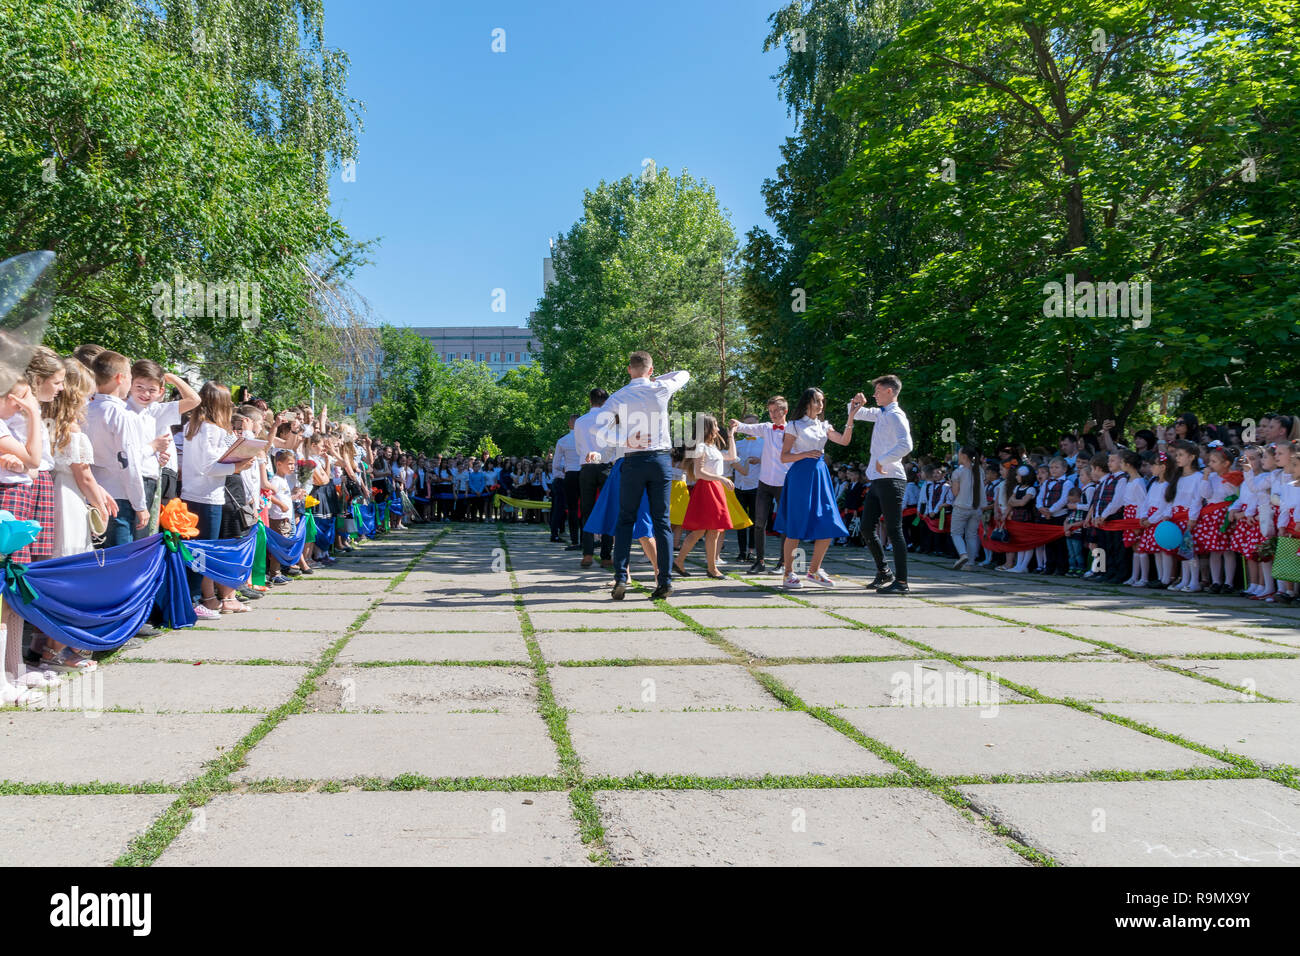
1169	536
16	535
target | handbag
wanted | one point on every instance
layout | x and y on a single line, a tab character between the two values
97	522
1286	559
245	516
1001	535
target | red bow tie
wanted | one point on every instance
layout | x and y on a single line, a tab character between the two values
778	428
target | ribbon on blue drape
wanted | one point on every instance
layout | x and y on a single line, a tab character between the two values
227	561
94	601
287	549
174	595
366	520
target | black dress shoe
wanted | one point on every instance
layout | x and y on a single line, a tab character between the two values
573	547
897	587
681	572
758	567
661	592
620	588
883	579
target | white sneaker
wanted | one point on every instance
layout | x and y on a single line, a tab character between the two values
205	613
821	577
792	581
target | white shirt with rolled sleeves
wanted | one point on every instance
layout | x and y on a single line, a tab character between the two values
566	455
891	440
114	432
642	408
771	470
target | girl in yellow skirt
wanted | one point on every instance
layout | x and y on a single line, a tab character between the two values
680	494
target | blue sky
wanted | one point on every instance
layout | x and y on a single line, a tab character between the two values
470	159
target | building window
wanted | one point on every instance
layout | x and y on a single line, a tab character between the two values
465	356
480	356
496	356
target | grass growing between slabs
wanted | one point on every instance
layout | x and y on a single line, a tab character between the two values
149	846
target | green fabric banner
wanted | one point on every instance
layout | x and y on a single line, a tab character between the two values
259	559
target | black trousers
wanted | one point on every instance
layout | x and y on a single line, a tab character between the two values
590	480
885	498
766	498
572	499
745	537
1058	552
558	506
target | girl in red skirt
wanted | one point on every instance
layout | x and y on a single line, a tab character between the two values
1135	494
1246	533
1211	539
707	515
1184	496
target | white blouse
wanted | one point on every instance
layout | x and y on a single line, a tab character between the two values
203	476
708	463
810	434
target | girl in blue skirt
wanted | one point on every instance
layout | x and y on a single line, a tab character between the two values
604	515
807	510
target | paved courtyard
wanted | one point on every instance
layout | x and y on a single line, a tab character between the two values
465	695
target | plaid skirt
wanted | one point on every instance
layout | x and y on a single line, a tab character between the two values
32	501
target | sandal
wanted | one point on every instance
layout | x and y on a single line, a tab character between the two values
232	606
717	576
681	571
68	659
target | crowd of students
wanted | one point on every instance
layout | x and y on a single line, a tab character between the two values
1229	499
95	446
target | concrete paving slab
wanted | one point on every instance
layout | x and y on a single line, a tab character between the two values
1061	616
65	747
1280	637
431	689
1228	618
292	599
929	683
1276	678
190	645
850	827
280	620
179	688
1111	681
659	688
1150	822
603	620
1028	739
1169	639
625	645
912	613
343	746
434	647
1265	733
74	830
730	744
441	622
787	617
997	641
816	642
360	828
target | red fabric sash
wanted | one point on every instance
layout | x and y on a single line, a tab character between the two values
1026	535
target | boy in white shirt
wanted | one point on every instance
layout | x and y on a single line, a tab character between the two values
280	512
158	466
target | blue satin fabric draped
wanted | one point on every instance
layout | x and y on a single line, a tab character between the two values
227	561
94	601
287	550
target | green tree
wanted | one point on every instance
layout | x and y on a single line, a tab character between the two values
646	267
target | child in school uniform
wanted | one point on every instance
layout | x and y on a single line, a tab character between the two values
1052	508
1075	518
1135	495
1182	506
1019	506
1251	515
992	494
1211	538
